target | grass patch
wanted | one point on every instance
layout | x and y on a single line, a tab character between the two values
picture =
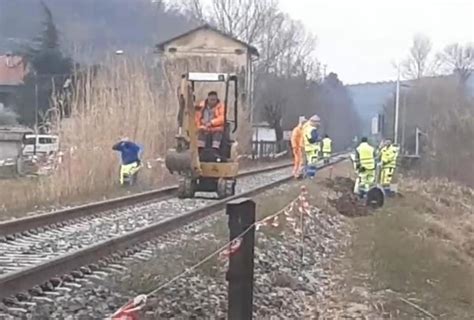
405	254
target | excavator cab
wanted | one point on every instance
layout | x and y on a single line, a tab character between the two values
204	170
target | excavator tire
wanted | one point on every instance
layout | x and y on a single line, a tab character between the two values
375	198
186	188
225	188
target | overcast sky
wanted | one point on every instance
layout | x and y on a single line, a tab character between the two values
358	39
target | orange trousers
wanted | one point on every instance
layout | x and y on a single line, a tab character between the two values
297	161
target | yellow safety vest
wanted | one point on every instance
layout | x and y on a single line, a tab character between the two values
308	146
327	145
389	156
366	156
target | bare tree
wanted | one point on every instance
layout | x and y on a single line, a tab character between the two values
417	64
288	52
299	57
273	45
458	59
243	19
273	97
194	9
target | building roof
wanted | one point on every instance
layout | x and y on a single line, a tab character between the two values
13	133
12	70
252	49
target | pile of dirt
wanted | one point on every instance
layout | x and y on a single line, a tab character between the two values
340	184
347	203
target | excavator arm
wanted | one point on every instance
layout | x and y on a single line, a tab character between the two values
184	159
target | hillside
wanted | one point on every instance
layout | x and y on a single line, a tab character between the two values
90	28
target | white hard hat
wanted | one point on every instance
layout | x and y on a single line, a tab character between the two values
315	118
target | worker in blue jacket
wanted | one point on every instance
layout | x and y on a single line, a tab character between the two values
130	155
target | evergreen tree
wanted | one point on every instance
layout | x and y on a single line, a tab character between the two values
50	68
45	55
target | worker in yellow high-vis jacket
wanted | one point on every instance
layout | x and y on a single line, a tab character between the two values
365	160
388	159
327	148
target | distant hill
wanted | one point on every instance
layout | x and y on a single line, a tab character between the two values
91	27
369	98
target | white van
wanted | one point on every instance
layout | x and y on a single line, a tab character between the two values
45	144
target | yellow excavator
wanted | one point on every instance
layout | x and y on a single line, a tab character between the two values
202	170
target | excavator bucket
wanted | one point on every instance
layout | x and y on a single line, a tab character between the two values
180	162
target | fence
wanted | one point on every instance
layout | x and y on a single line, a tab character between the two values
269	149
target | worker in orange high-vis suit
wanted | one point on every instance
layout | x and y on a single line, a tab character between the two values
297	147
209	119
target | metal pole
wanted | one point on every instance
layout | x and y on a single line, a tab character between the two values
404	107
241	214
397	106
250	88
417	142
36	113
302	239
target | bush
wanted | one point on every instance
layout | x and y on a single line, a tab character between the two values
444	110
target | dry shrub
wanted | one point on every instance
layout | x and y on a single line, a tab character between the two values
443	109
441	190
451	134
123	99
452	206
127	98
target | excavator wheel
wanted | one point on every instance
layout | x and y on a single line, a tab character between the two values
375	197
225	188
186	188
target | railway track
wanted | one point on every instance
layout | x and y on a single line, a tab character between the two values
11	229
73	247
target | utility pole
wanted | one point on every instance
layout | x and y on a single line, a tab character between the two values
36	112
397	106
